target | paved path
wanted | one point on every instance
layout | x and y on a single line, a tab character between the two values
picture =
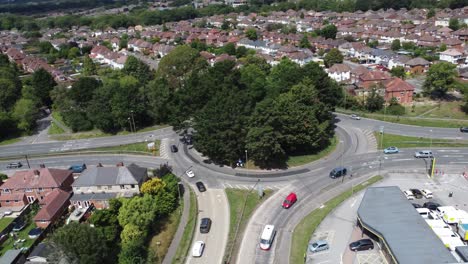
180	230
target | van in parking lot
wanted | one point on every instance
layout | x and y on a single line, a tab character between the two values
436	223
453	216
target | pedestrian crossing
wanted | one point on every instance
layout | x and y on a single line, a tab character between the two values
372	141
164	148
273	187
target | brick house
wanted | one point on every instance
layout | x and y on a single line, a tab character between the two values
100	184
417	65
28	186
56	203
401	90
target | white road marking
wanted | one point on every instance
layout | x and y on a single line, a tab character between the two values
401	159
453	156
458	162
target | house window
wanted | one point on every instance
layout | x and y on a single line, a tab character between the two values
402	93
16	201
122	186
6	190
133	186
40	189
7	201
28	190
31	199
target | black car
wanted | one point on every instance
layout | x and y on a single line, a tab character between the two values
337	172
464	129
174	148
14	165
431	205
205	225
415	205
363	244
417	193
19	225
200	186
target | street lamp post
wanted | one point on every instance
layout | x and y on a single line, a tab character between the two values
130	122
133	121
430	140
381	146
246	161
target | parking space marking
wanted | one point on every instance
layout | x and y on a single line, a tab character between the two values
370	258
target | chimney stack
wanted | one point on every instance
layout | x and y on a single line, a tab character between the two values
36	173
120	164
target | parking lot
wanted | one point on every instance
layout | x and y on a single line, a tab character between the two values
339	227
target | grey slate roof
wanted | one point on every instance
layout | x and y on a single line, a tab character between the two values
10	256
100	176
387	212
92	196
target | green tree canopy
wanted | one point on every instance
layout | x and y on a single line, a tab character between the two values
334	56
374	101
396	45
398	71
439	79
26	112
89	67
251	34
138	69
329	31
43	83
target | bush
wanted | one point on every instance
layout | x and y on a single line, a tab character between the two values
3	176
396	109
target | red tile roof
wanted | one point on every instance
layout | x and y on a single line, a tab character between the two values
37	178
54	201
398	85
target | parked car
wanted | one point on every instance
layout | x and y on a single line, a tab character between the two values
19	225
355	117
417	193
338	172
197	249
34	233
423	154
174	148
427	194
464	129
14	165
200	186
391	150
319	245
363	244
190	173
415	205
77	168
290	200
205	225
431	205
409	195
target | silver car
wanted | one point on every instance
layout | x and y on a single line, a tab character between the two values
319	245
423	154
355	117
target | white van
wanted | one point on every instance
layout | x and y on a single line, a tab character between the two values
441	210
445	232
427	194
437	224
409	195
453	216
423	212
267	237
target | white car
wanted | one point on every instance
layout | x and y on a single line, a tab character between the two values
409	195
427	194
355	117
190	173
198	247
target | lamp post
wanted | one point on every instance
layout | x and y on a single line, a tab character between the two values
133	121
381	146
246	162
130	122
430	140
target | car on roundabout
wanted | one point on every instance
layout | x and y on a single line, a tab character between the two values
355	117
190	173
391	150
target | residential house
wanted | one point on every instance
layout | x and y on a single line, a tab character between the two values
33	184
357	72
417	65
453	56
398	60
401	90
15	55
56	203
99	184
340	72
46	252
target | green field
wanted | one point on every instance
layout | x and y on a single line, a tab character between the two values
390	140
97	133
294	161
304	230
239	216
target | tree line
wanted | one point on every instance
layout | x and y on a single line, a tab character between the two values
122	233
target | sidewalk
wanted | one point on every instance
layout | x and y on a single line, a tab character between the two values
180	230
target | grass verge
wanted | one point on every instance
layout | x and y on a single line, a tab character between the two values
10	141
187	236
23	234
134	147
98	133
55	129
410	120
294	161
4	222
160	243
236	198
390	140
304	230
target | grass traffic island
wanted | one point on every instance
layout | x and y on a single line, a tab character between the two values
97	133
390	140
236	199
141	147
304	230
294	161
187	236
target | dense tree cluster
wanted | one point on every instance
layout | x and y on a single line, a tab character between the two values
287	107
121	233
439	79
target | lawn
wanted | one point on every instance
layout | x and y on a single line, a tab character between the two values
304	230
4	222
186	241
23	234
97	133
135	147
10	141
294	161
390	140
238	220
160	243
54	129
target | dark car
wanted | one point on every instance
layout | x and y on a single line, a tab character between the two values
200	186
363	244
464	129
174	148
14	165
205	225
415	205
338	172
77	168
19	225
431	205
417	193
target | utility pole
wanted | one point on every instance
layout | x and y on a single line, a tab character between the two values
133	121
27	161
130	122
381	146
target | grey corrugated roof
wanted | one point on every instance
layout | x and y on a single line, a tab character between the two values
100	176
10	256
387	212
92	196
